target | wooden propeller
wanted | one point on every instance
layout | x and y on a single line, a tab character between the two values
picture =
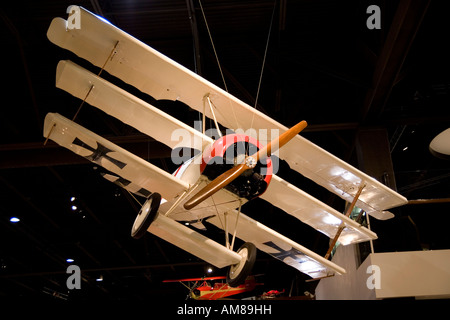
250	162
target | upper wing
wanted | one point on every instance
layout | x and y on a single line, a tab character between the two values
314	212
112	157
150	71
278	246
147	69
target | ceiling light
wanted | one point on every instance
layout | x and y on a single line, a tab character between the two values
72	199
405	148
74	208
69	260
14	220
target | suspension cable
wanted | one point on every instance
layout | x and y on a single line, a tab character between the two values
264	60
214	48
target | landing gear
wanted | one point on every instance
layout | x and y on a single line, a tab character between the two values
239	272
146	215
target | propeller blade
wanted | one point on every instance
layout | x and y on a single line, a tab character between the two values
272	146
220	182
250	162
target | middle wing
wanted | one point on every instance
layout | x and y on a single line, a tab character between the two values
314	212
127	108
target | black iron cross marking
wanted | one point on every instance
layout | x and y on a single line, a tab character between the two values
97	154
283	254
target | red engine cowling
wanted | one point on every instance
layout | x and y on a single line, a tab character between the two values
231	150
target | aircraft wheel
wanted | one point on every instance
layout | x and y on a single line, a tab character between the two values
239	272
146	216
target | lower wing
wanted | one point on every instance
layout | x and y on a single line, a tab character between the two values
278	246
129	167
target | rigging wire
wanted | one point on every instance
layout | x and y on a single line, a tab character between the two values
264	61
265	54
262	67
214	48
218	63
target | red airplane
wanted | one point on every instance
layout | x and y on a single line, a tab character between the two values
201	289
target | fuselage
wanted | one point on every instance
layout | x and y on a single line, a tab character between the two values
226	152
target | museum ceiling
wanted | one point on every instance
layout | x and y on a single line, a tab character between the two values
322	64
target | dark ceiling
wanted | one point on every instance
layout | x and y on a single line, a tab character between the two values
323	65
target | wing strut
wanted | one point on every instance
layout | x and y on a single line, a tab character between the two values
342	226
213	114
110	57
183	196
224	225
235	226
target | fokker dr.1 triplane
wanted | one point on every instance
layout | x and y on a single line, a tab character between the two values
229	170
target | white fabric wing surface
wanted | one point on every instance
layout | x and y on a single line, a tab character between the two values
314	212
127	108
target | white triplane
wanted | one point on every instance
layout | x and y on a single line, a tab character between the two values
228	171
